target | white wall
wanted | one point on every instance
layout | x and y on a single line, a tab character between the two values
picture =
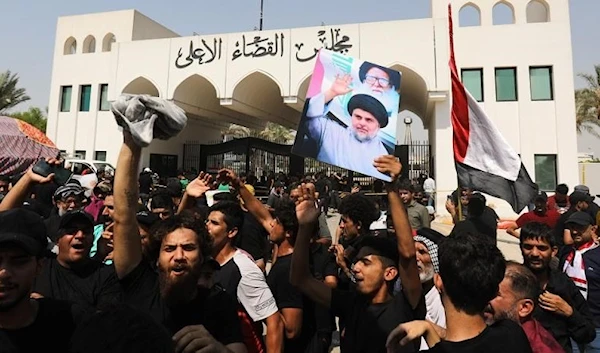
238	94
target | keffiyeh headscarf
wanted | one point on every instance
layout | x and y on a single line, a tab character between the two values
433	251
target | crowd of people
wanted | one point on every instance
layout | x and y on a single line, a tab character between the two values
202	265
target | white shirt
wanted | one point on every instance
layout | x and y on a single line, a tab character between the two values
435	311
429	185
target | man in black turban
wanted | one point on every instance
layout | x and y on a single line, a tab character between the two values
353	147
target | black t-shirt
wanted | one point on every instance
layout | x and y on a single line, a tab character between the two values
368	325
253	238
503	336
288	296
92	284
50	332
145	182
211	307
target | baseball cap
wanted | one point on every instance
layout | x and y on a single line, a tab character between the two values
578	196
580	218
25	229
146	218
541	195
582	188
75	215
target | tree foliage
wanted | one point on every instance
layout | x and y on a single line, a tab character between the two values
10	94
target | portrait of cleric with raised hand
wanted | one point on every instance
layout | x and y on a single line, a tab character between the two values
350	114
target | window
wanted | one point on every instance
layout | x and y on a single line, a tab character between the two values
65	98
104	105
84	98
506	84
100	156
473	81
469	15
545	171
80	154
540	79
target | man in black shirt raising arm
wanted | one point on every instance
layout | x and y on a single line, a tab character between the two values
200	319
370	312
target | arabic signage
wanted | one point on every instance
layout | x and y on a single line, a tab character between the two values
204	51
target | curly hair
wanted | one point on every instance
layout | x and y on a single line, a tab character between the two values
360	209
169	225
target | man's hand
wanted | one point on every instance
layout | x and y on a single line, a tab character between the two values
199	186
341	85
409	331
338	250
388	165
197	339
38	179
306	206
228	176
554	303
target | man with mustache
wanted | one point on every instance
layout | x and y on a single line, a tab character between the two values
426	245
562	309
340	145
200	318
516	300
71	274
23	320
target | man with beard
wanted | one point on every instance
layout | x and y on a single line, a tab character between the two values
562	309
426	245
516	299
370	311
199	318
23	320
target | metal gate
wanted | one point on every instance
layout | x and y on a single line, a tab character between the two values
419	159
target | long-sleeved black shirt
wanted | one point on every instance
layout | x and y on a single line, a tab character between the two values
579	326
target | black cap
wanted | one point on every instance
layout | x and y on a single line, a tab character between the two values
381	246
146	218
371	105
578	196
541	196
580	218
73	215
25	229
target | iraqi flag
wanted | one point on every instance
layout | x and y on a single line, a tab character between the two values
484	161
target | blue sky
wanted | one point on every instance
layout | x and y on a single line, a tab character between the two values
29	27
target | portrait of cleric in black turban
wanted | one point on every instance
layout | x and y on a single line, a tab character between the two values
350	114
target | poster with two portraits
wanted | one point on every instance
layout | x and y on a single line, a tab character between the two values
350	115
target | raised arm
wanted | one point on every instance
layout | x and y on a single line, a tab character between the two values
127	252
19	192
300	276
408	270
252	204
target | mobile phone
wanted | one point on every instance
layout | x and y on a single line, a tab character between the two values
61	175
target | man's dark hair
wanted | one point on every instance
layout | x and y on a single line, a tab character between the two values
471	269
359	209
224	196
5	178
123	329
162	200
537	231
232	214
522	281
405	185
169	225
562	189
366	66
285	213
